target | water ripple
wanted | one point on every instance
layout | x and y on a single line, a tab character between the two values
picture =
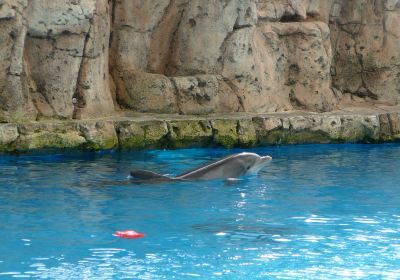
316	212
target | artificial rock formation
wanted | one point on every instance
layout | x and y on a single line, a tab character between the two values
367	58
238	130
83	59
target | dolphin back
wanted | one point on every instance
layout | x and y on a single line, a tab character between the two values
149	175
226	167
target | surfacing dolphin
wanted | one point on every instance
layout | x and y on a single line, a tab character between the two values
233	166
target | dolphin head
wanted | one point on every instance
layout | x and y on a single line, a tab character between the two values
253	163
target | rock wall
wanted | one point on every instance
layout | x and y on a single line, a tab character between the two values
82	59
366	36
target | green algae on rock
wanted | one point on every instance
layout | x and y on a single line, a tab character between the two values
189	133
225	133
140	135
229	131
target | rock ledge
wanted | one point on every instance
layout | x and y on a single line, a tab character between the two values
148	131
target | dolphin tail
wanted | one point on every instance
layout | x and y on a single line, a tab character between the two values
149	175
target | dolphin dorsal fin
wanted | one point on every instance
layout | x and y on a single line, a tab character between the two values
148	175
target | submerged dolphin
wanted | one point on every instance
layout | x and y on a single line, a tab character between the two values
233	166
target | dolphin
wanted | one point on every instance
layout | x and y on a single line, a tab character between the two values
233	166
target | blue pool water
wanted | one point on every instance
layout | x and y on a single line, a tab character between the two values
316	212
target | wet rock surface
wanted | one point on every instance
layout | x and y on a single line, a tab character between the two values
244	130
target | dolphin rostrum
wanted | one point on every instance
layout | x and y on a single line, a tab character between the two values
233	166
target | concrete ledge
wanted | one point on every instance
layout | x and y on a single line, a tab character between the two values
175	131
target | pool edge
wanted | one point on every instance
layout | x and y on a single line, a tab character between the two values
174	131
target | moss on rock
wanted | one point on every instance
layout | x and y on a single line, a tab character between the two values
246	132
224	133
130	135
154	132
284	136
8	135
394	119
99	135
139	135
359	129
45	139
189	133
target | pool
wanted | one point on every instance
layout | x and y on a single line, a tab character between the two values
316	212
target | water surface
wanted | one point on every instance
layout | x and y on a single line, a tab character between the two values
316	212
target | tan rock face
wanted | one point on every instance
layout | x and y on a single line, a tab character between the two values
294	10
213	23
204	94
15	101
57	59
299	67
88	58
367	39
145	92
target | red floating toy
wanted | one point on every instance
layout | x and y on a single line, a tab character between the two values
129	234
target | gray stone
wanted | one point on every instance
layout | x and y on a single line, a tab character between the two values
8	134
392	4
335	10
99	134
144	92
197	95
